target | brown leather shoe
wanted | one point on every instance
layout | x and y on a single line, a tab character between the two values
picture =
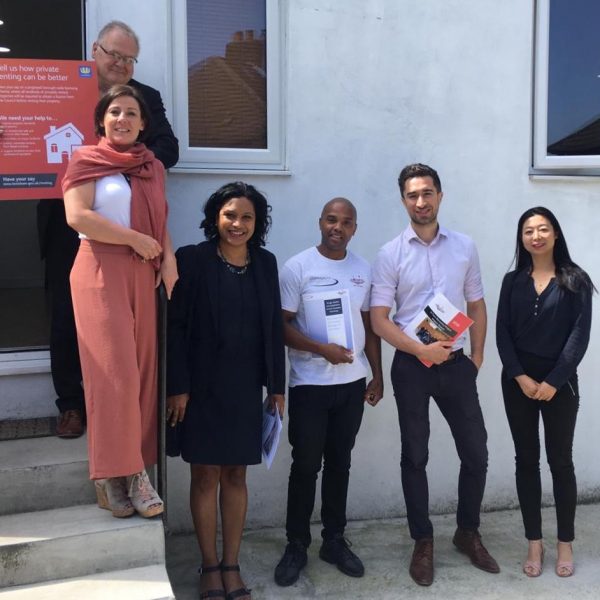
469	542
70	424
421	564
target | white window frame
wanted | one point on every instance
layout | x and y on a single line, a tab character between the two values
542	162
236	160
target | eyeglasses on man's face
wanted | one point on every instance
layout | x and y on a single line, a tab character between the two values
126	60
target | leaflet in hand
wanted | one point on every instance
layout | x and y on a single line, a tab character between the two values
271	430
439	321
328	317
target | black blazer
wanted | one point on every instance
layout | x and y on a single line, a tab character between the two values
160	137
192	332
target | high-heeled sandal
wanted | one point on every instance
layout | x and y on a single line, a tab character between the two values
211	593
143	496
534	568
564	568
243	591
112	495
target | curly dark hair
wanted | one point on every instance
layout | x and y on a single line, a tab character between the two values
117	91
237	189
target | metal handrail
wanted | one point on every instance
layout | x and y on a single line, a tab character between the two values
161	467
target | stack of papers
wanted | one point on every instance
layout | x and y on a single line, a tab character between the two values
271	431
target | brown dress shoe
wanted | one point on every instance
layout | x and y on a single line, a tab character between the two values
70	424
469	542
421	564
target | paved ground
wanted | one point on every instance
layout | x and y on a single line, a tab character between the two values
385	548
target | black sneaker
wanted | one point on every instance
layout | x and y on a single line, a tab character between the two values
337	552
292	562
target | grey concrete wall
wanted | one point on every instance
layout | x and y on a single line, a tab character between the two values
369	87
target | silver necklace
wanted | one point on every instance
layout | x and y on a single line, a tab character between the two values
234	268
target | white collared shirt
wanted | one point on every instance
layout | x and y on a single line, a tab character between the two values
408	272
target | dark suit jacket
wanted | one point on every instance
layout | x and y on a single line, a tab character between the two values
192	333
159	138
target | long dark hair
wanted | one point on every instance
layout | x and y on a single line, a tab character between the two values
237	189
569	275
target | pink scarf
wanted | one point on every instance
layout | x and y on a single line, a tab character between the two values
148	200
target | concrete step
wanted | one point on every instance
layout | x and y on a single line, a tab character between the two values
44	473
75	541
143	583
25	395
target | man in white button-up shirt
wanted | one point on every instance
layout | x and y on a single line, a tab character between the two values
426	259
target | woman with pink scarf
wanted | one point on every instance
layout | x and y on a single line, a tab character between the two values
115	198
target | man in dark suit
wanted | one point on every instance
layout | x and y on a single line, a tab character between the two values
115	52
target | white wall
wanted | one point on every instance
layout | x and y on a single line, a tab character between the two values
372	85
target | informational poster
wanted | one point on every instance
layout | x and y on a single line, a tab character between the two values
46	111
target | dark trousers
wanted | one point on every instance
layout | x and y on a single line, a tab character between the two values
452	386
324	421
559	416
59	245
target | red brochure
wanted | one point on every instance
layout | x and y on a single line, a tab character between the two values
439	321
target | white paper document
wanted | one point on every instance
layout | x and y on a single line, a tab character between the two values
271	431
328	317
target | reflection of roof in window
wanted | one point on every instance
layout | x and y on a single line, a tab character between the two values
227	96
584	141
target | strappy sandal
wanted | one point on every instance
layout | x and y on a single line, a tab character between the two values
211	593
143	496
243	591
564	568
534	568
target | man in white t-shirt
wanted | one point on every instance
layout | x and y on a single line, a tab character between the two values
325	294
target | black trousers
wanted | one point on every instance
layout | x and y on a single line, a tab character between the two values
559	416
59	246
324	421
452	386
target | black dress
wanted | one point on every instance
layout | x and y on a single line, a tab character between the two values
226	360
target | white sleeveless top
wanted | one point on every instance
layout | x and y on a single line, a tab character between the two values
112	200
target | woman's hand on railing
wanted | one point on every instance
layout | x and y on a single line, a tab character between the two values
168	274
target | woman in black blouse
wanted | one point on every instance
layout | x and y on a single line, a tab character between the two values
542	333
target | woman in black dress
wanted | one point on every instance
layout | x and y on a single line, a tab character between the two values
225	342
542	333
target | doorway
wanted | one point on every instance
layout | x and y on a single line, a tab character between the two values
46	29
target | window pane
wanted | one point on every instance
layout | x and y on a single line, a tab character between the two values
227	79
574	78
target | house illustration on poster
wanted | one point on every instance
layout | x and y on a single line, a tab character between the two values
61	141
